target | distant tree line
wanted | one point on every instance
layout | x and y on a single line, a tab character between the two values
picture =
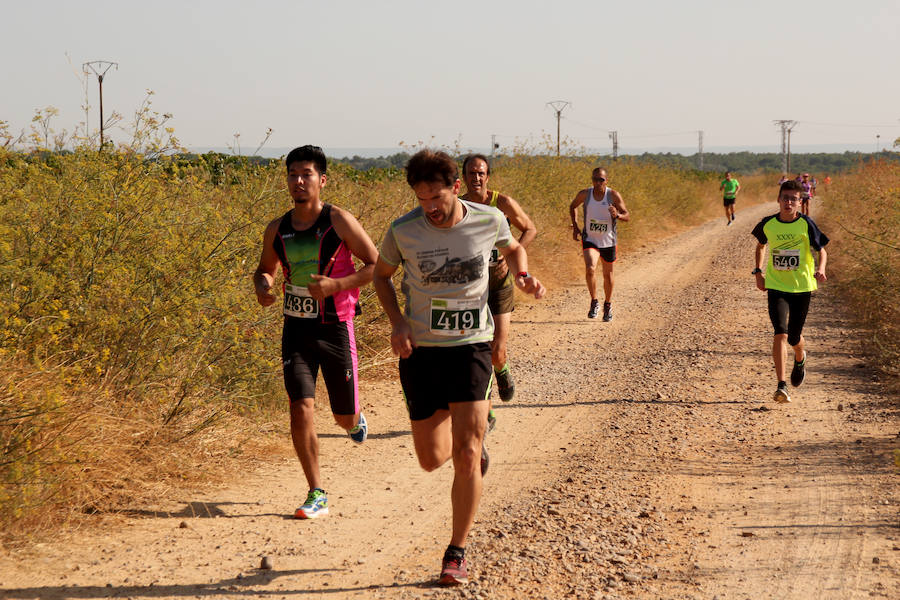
742	162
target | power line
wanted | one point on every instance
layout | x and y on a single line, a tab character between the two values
558	106
100	67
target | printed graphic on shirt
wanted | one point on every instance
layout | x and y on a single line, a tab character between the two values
438	267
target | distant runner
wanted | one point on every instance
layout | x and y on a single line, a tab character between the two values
603	208
790	276
476	172
315	244
730	188
443	336
806	192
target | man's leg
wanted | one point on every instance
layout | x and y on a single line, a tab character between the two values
501	335
468	424
432	440
306	443
727	214
779	347
591	256
607	280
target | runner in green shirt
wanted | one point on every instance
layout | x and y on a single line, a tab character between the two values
730	186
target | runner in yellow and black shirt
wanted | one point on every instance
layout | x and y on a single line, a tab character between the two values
790	276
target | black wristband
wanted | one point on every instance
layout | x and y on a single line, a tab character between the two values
755	271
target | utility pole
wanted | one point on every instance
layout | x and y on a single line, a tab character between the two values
100	67
700	147
786	126
494	145
614	136
558	106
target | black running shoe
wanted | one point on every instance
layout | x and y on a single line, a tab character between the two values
607	311
595	308
485	459
798	373
505	385
492	421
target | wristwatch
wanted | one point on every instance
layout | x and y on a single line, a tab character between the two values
755	271
523	274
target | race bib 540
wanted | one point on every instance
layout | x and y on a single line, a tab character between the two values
786	260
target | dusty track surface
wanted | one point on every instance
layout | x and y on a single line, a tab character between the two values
641	458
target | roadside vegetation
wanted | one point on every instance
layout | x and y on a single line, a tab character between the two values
135	357
862	216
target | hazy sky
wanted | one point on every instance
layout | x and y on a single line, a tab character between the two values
354	74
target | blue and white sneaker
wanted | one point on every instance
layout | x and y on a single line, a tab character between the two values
359	433
316	505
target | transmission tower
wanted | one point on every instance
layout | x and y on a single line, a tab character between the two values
558	106
786	126
700	148
100	67
614	136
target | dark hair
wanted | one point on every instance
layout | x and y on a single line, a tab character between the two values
313	154
791	185
431	166
473	157
596	169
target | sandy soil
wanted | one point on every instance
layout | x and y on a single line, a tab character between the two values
642	458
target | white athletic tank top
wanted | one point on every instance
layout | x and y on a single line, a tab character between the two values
599	226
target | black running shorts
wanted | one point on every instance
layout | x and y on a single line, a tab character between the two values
434	376
607	254
305	347
728	201
787	312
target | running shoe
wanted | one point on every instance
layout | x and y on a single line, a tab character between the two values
454	571
492	421
798	373
781	396
607	311
729	222
361	431
485	459
595	308
505	385
732	217
316	505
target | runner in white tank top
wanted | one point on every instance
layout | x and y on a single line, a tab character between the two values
598	235
599	226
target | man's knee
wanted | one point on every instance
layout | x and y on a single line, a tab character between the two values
467	456
794	338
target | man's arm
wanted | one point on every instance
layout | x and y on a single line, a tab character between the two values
518	218
517	259
402	341
760	258
360	245
820	271
580	197
264	276
617	209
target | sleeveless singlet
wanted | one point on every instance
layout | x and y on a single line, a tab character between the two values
315	250
599	226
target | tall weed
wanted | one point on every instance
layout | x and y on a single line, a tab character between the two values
862	216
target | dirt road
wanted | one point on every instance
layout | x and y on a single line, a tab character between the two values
641	458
